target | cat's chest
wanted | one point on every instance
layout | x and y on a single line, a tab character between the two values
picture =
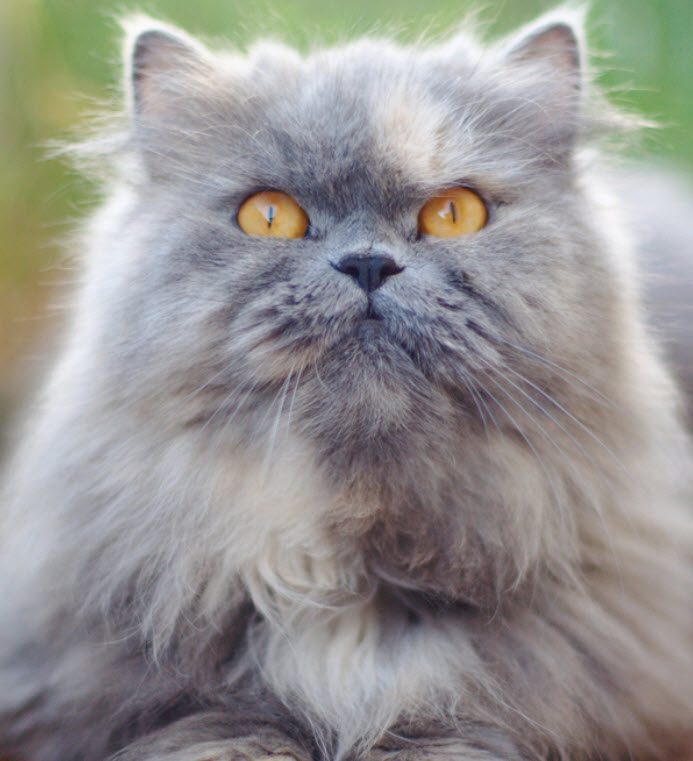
356	663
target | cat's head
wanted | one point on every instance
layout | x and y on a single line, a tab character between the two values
415	297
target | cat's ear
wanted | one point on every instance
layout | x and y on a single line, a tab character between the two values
165	70
545	61
173	86
551	44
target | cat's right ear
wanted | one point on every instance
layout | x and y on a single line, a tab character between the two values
165	71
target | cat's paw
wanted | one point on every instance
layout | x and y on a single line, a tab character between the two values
210	750
495	747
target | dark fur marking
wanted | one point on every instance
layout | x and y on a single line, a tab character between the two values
462	282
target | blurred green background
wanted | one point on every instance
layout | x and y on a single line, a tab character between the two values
58	56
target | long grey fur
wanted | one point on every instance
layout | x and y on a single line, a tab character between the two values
257	512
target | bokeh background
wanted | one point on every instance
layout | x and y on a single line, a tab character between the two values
57	57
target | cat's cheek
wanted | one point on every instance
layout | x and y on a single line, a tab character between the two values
272	365
276	351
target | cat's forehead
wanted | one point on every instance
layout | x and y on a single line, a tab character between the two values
360	123
368	108
394	97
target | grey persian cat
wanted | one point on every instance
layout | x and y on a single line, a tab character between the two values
357	447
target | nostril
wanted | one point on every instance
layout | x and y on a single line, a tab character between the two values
351	270
389	267
369	271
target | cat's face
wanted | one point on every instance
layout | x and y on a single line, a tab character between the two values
243	332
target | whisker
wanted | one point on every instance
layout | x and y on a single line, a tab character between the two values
519	429
592	498
281	397
572	417
542	409
598	395
206	384
479	402
235	395
293	396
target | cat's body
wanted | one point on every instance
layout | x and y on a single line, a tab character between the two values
261	509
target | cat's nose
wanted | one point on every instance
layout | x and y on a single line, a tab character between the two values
369	270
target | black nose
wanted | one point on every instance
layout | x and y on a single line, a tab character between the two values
369	271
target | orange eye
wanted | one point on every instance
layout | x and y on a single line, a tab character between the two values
457	211
272	214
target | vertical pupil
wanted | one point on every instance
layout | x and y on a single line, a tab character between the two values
453	213
270	216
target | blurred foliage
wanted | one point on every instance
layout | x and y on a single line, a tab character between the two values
59	56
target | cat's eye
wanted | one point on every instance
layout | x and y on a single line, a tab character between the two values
273	214
453	212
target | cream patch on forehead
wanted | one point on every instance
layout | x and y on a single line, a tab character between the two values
411	130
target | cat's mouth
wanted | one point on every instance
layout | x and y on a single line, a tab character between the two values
371	312
435	349
371	328
378	327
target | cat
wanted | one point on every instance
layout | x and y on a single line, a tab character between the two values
357	446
